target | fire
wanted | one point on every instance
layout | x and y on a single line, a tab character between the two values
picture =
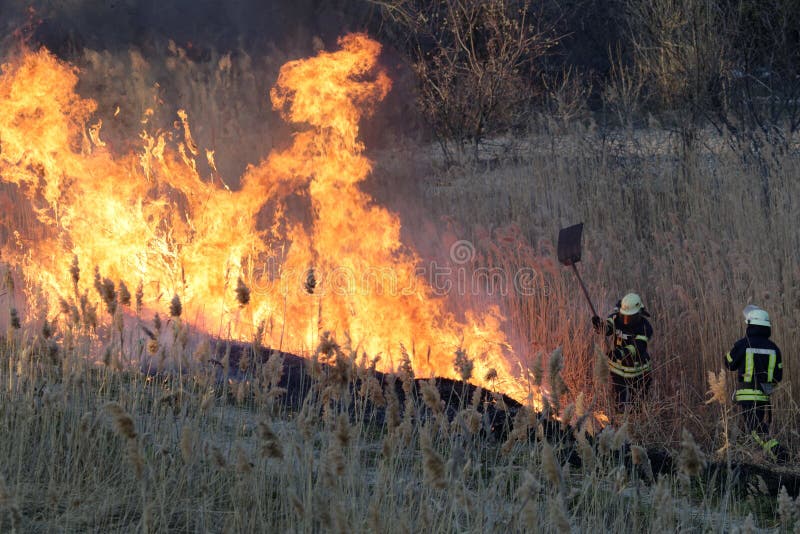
150	220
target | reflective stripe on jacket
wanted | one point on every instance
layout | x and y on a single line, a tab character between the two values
629	358
757	361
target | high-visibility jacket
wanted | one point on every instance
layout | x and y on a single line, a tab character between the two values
629	358
757	361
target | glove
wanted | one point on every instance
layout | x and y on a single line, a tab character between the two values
596	322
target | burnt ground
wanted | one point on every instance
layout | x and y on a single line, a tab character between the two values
456	395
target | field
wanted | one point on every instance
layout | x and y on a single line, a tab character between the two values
92	442
98	449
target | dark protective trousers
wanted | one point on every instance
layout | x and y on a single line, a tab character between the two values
630	390
757	416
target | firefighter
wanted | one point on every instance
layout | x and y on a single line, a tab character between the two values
628	360
758	365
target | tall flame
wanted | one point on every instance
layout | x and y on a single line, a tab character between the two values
150	220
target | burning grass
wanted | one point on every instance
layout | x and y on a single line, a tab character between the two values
105	447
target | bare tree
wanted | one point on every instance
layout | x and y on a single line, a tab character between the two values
475	61
732	64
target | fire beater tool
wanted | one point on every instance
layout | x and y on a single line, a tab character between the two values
569	253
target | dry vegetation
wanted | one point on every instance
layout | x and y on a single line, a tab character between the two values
90	448
699	229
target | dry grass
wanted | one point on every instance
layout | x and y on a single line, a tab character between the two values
96	449
698	235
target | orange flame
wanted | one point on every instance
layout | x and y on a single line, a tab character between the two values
150	219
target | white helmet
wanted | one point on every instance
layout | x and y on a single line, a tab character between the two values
756	316
631	304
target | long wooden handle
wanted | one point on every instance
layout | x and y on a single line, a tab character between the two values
585	293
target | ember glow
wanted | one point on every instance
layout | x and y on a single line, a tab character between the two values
150	220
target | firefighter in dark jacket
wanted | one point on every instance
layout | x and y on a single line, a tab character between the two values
758	365
628	360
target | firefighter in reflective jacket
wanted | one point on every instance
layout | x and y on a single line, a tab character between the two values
757	362
629	361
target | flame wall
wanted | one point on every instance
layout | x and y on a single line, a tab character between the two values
162	219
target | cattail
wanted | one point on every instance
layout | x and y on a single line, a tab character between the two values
388	445
342	432
175	307
664	507
157	324
311	281
536	370
529	488
187	444
124	294
606	441
335	464
75	272
242	293
241	392
431	397
47	329
491	375
243	464
787	509
566	417
530	516
550	465
98	281
152	346
477	397
499	401
123	423
63	306
139	297
258	335
520	429
580	407
327	345
87	423
621	437
718	387
372	390
463	365
558	516
691	459
118	320
472	420
109	295
273	370
136	459
456	462
586	452
14	316
270	444
433	465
